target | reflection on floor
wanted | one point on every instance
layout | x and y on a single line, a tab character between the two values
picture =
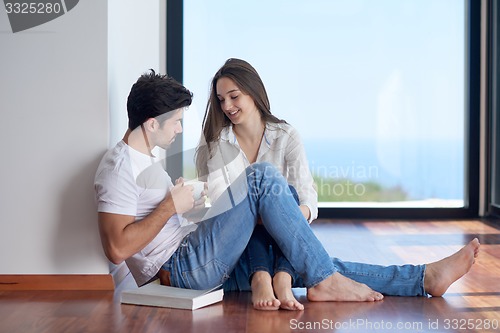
470	305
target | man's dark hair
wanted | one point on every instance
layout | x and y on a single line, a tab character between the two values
154	95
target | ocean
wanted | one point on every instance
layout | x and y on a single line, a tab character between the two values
423	169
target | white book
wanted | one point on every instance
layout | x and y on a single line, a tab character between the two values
154	294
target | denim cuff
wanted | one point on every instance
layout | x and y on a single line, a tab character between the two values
286	270
258	269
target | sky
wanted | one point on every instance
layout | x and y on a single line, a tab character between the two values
383	71
351	69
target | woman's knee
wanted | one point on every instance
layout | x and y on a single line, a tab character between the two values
262	166
264	170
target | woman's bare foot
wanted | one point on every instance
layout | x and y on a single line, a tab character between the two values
282	285
262	292
337	287
441	274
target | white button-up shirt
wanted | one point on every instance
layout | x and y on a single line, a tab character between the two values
280	146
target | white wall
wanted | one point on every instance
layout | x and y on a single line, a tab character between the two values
136	44
54	103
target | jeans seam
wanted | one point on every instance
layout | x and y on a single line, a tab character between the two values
216	262
321	277
260	268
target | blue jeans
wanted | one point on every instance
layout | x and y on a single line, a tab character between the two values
263	254
212	254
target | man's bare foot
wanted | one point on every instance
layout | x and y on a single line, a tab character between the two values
337	287
282	285
262	292
441	274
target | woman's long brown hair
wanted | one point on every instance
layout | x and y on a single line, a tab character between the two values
249	82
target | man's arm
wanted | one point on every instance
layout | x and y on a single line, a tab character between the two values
122	236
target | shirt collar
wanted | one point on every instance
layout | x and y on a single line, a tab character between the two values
271	133
228	135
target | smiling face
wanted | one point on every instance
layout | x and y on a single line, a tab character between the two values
236	105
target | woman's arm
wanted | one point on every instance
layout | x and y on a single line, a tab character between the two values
300	177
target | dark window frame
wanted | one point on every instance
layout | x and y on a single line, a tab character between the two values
175	26
175	65
493	107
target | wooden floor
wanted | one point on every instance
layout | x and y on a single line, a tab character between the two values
470	305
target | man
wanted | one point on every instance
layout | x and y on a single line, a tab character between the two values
140	219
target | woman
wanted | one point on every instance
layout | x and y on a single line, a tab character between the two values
239	130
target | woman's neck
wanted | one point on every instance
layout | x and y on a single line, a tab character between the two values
250	133
249	139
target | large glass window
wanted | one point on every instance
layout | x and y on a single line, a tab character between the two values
375	88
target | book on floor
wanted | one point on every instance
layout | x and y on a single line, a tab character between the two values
154	294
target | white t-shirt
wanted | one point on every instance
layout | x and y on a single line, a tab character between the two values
128	182
281	146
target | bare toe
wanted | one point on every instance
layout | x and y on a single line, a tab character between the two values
292	305
266	305
262	292
282	286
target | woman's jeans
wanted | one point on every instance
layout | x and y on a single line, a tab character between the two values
212	254
263	254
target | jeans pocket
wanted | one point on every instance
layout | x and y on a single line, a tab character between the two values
208	276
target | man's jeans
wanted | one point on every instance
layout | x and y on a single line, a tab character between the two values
210	255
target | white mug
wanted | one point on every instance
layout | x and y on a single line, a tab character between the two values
198	187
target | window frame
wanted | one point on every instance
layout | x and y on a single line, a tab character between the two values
175	53
493	107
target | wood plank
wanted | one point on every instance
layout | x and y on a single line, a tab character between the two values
475	299
56	282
